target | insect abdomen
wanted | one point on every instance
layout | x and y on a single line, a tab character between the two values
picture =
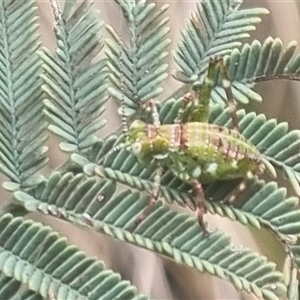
217	140
218	152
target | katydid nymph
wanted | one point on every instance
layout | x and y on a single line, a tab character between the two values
194	150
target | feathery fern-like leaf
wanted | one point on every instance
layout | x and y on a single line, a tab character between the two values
274	141
254	63
216	29
166	232
76	93
12	289
279	146
22	125
260	205
138	69
37	257
75	85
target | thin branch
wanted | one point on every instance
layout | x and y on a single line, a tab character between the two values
293	77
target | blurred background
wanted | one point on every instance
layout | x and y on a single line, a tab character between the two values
159	278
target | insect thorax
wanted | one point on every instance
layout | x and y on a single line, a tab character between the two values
148	142
204	151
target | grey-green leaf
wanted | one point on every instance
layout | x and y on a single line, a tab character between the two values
74	83
22	125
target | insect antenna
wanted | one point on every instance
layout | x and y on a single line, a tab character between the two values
123	117
121	67
124	123
114	149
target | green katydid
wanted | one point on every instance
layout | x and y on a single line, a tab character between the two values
194	150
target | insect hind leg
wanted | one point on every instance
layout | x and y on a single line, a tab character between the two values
153	198
154	112
200	111
200	204
188	105
228	90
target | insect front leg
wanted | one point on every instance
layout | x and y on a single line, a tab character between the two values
196	103
200	108
188	104
191	176
154	197
228	90
200	204
154	112
157	124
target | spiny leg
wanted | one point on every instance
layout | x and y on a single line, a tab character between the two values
198	111
200	204
188	104
154	112
240	188
157	178
228	90
153	199
156	183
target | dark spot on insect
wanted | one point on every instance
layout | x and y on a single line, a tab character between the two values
221	144
254	158
188	97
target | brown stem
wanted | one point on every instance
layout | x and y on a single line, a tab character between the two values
294	77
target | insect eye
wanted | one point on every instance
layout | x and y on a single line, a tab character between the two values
136	148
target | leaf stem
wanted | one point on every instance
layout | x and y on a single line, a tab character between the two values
294	77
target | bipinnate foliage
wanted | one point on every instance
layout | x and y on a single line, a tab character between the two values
35	255
22	136
142	63
35	261
216	28
74	106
